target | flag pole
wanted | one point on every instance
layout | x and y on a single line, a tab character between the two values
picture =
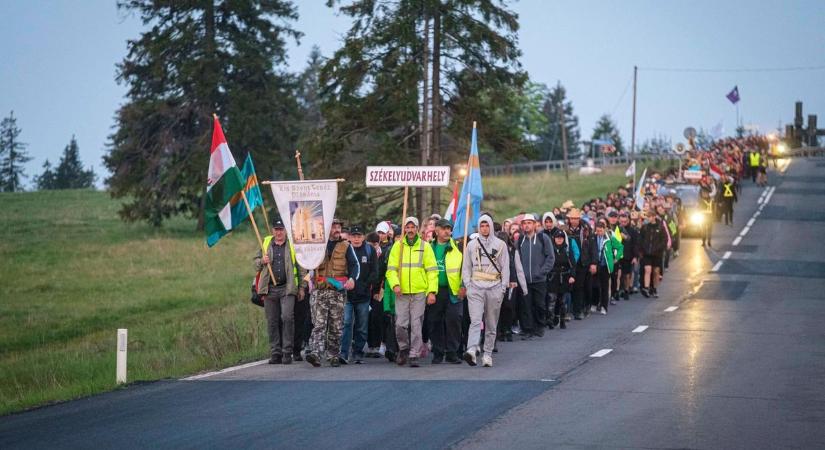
257	234
469	185
263	205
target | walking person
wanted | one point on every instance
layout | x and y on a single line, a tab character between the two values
336	275
561	277
357	307
445	315
279	294
415	283
602	265
652	245
486	275
537	259
581	239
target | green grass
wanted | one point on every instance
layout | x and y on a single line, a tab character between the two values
72	273
540	192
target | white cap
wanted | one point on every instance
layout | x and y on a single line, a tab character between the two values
411	219
382	227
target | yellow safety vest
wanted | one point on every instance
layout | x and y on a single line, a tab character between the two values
728	190
452	265
419	271
265	246
754	159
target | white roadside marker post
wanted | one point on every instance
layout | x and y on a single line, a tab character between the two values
120	374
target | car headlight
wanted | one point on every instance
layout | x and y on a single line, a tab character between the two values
697	218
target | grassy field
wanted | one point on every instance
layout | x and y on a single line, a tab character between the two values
72	273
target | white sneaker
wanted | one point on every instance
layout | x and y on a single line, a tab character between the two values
593	308
603	312
470	357
487	361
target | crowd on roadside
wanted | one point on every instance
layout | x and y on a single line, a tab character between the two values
410	293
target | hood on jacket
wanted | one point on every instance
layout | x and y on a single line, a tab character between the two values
551	216
486	218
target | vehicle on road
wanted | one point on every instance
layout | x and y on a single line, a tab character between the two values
693	215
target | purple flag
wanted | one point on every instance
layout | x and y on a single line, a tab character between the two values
733	95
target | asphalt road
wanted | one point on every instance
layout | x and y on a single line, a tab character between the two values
733	356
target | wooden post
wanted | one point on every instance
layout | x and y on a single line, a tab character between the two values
300	169
257	234
403	234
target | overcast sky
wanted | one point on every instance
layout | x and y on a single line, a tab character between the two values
58	63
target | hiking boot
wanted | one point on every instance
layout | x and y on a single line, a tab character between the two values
276	359
452	358
297	357
313	359
487	361
401	359
336	361
287	359
390	355
437	358
413	362
470	358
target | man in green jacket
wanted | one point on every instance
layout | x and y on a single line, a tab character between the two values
445	313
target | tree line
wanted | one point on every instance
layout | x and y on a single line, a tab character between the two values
69	173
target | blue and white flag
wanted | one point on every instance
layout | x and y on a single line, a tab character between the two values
472	189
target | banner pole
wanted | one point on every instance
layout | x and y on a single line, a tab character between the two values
300	169
466	223
257	234
403	234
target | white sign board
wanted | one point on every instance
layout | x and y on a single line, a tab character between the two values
692	174
413	176
307	209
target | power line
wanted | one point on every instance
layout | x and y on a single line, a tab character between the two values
760	69
618	103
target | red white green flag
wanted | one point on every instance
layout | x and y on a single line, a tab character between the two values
223	182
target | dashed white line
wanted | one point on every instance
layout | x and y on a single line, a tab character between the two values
756	214
671	308
737	241
717	266
601	353
640	329
227	370
744	231
548	380
726	255
750	222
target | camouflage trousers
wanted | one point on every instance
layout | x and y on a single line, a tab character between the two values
327	322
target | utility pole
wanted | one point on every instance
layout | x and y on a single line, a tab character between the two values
563	139
633	132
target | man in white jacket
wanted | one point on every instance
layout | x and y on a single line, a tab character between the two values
486	276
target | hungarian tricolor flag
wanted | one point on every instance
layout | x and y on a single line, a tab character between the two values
224	181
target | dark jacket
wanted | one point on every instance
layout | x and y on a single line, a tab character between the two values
653	239
367	282
563	269
536	257
583	235
630	240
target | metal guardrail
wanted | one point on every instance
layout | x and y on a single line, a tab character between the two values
558	164
806	151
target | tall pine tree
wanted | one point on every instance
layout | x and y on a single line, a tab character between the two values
198	58
45	181
13	155
606	130
397	59
70	173
550	140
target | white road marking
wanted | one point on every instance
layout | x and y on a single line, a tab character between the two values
640	329
601	353
227	370
737	241
750	222
726	255
548	380
744	231
717	266
671	308
756	214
